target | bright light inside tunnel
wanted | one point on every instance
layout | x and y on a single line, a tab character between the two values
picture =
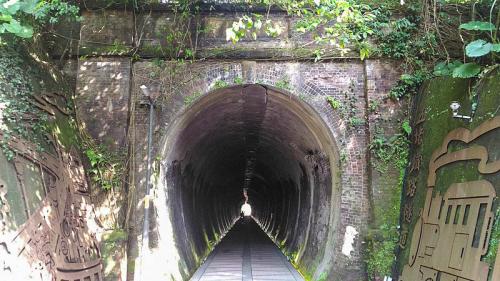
246	210
269	145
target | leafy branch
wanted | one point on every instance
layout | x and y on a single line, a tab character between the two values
106	168
18	17
334	25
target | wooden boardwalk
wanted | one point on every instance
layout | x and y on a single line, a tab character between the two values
246	254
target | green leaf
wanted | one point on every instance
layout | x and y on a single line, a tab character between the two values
441	69
364	53
477	48
13	26
478	25
444	69
17	29
467	70
406	127
11	6
454	64
5	18
29	6
495	48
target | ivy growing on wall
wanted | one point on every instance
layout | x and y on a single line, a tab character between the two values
347	108
428	37
18	114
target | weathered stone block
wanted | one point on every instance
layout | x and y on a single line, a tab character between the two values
106	32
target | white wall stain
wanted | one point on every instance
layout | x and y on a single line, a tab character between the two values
350	234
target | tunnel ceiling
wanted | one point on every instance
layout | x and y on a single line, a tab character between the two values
249	137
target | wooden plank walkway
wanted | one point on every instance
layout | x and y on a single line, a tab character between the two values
246	254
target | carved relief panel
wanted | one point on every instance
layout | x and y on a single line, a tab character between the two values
453	229
55	243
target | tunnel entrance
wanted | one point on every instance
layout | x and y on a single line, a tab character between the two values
264	141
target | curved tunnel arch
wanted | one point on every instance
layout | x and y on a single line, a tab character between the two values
259	138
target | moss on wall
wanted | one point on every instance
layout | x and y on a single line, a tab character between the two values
36	104
113	252
434	101
26	75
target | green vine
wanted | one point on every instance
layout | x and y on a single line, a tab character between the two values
402	39
334	25
18	114
347	109
107	167
391	151
334	103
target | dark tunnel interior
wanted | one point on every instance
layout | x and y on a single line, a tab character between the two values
258	138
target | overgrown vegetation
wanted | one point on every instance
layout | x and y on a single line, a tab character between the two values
431	37
21	18
283	83
382	240
21	100
219	84
106	168
491	255
20	112
391	151
341	25
188	100
178	40
347	108
112	241
19	115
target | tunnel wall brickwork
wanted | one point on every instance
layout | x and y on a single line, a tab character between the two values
353	83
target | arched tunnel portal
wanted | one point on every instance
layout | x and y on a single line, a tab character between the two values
269	142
